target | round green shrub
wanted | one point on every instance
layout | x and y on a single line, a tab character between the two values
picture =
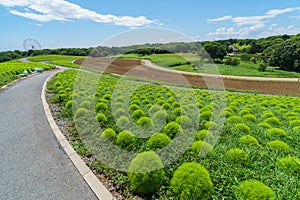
242	127
125	140
244	112
279	145
253	189
177	111
204	135
202	148
192	181
172	128
206	115
101	117
134	107
123	121
101	107
225	113
158	140
146	174
69	105
184	121
159	116
211	125
85	104
144	121
290	164
109	133
272	121
81	112
154	109
264	125
276	132
296	128
176	105
249	140
234	119
166	106
295	122
236	156
137	114
267	114
249	117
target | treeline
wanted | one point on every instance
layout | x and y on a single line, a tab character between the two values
279	51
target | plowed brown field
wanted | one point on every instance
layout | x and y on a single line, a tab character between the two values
134	68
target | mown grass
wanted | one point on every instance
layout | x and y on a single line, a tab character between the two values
60	60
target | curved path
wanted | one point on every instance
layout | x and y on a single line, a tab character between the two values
33	165
149	64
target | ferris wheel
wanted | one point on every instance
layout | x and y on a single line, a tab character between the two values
31	44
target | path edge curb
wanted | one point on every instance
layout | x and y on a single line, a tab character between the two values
90	178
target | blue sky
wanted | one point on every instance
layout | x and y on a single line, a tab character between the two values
85	23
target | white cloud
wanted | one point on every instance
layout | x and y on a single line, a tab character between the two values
221	19
256	20
62	10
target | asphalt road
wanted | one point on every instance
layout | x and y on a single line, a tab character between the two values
32	164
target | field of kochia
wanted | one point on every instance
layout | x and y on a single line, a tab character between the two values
183	143
9	71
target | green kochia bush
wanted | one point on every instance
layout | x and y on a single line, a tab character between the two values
234	119
279	145
242	127
126	140
236	156
192	181
144	121
172	128
273	121
158	140
204	135
249	117
202	148
137	114
249	140
123	122
81	112
290	164
253	189
146	174
276	132
109	133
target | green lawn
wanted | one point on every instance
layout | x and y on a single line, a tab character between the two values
58	60
183	62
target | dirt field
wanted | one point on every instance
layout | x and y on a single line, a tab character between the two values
134	68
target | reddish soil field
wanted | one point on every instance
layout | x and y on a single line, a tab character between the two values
134	68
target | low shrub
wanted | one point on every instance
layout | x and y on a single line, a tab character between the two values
295	123
290	164
206	115
184	121
109	133
267	114
134	107
249	140
166	106
202	148
137	114
234	119
81	112
192	181
204	135
242	127
279	145
101	118
101	107
211	126
264	125
158	140
172	128
249	117
126	140
144	121
123	122
254	189
154	109
236	156
159	117
146	173
272	121
276	132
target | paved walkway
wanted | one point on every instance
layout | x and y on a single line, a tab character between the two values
32	164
